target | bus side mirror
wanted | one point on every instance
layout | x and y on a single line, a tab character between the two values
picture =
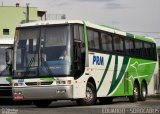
9	56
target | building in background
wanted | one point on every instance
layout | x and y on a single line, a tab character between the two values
12	16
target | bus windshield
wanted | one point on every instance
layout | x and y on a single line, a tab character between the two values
43	51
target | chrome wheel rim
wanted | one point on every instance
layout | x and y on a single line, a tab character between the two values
144	92
89	94
136	92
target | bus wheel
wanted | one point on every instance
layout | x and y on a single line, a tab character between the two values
143	94
106	100
135	95
42	103
90	96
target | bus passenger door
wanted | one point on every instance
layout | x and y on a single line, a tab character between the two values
77	59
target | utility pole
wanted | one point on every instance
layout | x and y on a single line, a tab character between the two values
27	13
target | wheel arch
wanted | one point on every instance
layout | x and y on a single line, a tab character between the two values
91	80
137	82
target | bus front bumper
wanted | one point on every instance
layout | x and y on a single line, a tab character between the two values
56	92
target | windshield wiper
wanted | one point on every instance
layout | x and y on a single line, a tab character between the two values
47	67
29	66
28	70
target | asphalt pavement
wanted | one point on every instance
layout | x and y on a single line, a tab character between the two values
119	106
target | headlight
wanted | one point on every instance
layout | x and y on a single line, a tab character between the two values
18	93
17	84
64	82
60	82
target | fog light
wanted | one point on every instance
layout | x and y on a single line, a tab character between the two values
15	93
58	91
61	91
19	93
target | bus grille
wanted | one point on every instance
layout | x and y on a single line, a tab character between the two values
38	83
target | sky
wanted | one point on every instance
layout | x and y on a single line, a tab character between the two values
134	16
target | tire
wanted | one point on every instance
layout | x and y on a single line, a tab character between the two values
105	100
136	93
91	96
143	93
42	103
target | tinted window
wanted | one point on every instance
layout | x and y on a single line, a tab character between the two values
118	44
106	42
78	33
93	39
154	52
81	33
148	50
129	45
138	48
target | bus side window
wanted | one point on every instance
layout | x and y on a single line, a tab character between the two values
106	41
138	48
93	39
154	52
147	50
76	32
118	44
129	46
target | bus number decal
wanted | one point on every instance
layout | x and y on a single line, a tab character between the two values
98	60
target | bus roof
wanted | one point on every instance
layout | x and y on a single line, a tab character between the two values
88	24
6	40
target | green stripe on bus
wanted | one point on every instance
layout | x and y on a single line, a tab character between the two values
85	35
105	72
48	79
9	79
114	74
144	38
122	71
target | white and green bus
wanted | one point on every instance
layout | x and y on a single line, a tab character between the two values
6	45
78	60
